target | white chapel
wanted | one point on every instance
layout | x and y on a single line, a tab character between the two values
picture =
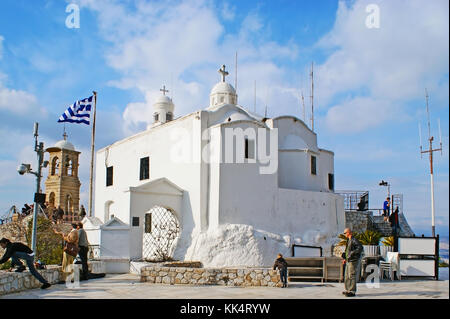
221	185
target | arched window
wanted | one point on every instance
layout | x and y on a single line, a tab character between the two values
68	205
108	213
67	167
55	165
52	199
169	116
69	164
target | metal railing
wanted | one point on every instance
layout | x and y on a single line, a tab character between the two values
8	215
94	251
352	198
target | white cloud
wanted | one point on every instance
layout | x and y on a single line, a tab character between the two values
182	46
358	114
394	63
252	23
17	101
228	12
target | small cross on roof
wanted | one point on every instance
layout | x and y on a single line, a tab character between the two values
164	90
223	72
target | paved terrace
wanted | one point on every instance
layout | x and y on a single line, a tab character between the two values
128	286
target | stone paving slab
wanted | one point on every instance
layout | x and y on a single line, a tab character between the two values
128	286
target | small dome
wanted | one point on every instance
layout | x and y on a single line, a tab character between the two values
163	109
163	103
223	87
163	99
64	144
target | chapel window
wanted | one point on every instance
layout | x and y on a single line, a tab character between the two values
249	149
331	182
144	172
313	165
109	176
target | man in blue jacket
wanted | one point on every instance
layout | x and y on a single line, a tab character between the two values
352	260
17	251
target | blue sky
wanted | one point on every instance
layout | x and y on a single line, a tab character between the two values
369	82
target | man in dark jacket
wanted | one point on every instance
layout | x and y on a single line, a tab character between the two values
352	259
393	220
281	264
17	251
83	244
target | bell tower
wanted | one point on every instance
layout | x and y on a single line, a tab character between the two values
163	109
62	186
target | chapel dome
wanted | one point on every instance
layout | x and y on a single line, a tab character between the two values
162	109
64	144
223	87
164	102
163	99
223	92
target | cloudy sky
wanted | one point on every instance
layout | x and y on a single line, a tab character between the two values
370	70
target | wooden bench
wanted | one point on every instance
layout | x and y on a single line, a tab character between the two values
315	268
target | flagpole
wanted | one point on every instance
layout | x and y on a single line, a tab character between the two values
91	175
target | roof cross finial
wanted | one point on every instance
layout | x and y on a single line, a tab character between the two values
164	90
223	72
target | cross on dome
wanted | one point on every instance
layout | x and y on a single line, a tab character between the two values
164	90
223	72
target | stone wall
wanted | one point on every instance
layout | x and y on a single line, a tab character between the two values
11	282
359	221
15	282
211	276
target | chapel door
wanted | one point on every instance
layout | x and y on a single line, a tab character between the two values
160	235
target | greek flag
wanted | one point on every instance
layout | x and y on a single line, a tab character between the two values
79	112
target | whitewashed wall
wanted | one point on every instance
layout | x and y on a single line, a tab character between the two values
216	196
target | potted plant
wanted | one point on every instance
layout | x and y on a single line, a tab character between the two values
388	245
370	240
340	246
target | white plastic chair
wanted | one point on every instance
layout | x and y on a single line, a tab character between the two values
392	264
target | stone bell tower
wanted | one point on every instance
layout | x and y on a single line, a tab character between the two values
62	186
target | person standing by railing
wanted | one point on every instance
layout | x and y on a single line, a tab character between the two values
393	220
386	208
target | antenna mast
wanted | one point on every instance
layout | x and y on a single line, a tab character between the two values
303	103
312	96
430	151
235	76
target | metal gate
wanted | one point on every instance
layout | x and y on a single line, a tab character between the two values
397	200
161	231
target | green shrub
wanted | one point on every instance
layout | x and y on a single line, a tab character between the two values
49	247
6	265
442	263
369	237
388	241
344	239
